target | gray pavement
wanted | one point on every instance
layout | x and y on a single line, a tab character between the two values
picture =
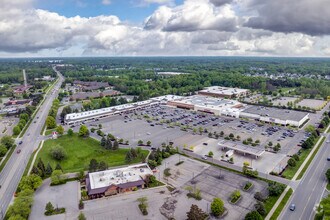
15	166
311	187
62	196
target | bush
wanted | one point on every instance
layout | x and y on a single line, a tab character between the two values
291	162
253	215
275	189
260	208
217	207
234	197
58	153
295	157
258	196
247	185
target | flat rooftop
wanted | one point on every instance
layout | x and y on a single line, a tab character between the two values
223	90
97	112
119	176
242	148
283	114
205	101
167	98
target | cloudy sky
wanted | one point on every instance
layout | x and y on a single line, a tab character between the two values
164	28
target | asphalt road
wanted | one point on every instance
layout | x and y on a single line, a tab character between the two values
310	188
15	166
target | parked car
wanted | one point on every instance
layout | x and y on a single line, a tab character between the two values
328	159
19	151
21	142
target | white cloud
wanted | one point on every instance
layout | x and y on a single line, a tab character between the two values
197	27
106	2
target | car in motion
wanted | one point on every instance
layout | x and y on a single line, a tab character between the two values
18	151
21	142
292	207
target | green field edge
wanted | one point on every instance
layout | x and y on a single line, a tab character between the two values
282	204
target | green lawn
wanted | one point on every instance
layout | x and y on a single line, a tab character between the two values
310	159
281	205
80	151
291	171
270	202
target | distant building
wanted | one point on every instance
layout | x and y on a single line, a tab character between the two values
87	95
170	73
116	181
216	106
44	78
18	102
19	90
224	92
274	115
90	86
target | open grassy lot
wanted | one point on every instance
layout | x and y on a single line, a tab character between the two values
80	151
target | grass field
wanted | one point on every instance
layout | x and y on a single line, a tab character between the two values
80	151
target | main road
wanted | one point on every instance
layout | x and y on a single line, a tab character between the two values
311	187
15	166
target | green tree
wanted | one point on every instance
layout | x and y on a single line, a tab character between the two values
129	157
148	143
50	122
60	130
81	216
93	165
291	162
58	153
253	215
327	174
70	132
210	154
16	130
49	169
275	189
103	166
115	145
58	167
57	177
3	150
83	131
7	141
259	206
41	167
103	141
49	208
217	207
31	182
195	213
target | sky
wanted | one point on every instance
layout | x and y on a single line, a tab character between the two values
65	28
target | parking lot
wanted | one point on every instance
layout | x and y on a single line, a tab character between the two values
7	124
311	103
213	182
163	124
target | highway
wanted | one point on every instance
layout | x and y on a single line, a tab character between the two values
310	188
15	166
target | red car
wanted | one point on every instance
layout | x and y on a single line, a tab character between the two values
19	151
